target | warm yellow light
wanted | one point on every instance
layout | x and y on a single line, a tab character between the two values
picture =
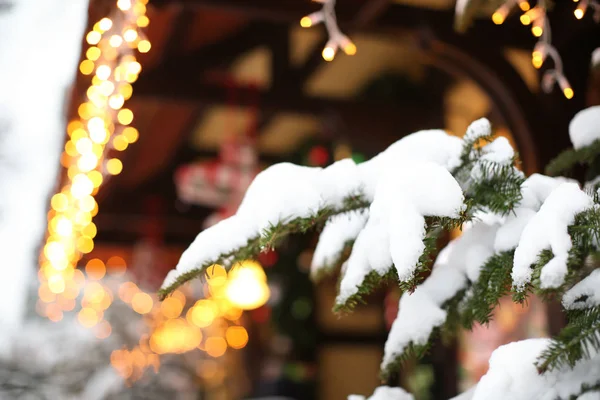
141	303
134	67
537	31
56	284
86	67
237	337
578	13
131	134
498	18
130	35
139	8
116	101
216	346
125	116
103	72
87	203
59	202
114	166
306	22
106	88
103	330
85	244
96	178
93	37
537	59
83	146
124	5
247	287
328	53
144	46
524	5
115	41
568	92
350	49
64	227
203	313
126	90
105	24
525	19
171	307
88	317
93	53
81	186
143	21
216	275
90	229
120	143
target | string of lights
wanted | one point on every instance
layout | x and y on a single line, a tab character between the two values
101	129
337	39
540	27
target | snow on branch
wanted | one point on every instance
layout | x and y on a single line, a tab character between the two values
513	375
395	232
548	230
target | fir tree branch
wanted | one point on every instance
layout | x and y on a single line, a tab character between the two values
268	239
334	264
575	341
569	158
494	283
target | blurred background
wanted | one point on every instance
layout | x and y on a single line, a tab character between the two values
127	127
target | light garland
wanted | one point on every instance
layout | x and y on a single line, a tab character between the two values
103	126
540	27
337	39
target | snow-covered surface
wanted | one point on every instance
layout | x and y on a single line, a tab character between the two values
338	231
498	152
513	375
385	393
595	395
417	316
433	145
548	230
584	128
286	191
587	291
477	129
421	312
534	190
35	35
396	227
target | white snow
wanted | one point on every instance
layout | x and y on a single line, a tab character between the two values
548	230
396	227
417	316
421	312
498	152
286	191
588	287
433	145
385	393
478	129
39	52
338	231
513	375
584	128
595	395
534	190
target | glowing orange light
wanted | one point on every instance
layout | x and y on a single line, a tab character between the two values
237	337
95	269
141	303
86	67
131	134
216	346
